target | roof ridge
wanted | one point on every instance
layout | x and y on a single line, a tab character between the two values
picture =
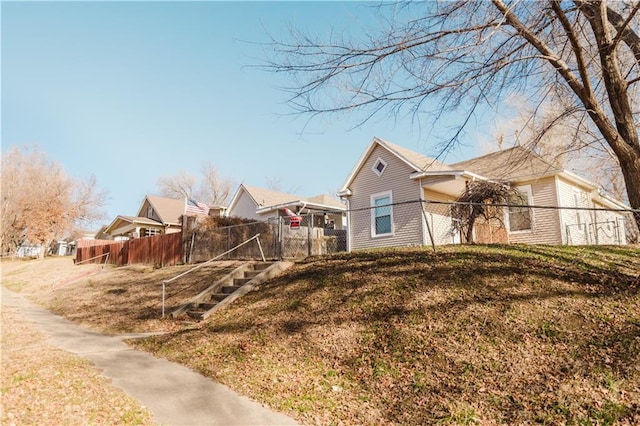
397	150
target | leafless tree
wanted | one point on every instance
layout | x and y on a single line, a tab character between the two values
567	142
211	188
433	58
40	202
478	201
178	186
215	189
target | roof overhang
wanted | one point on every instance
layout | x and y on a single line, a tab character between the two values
124	223
303	204
452	183
610	202
457	174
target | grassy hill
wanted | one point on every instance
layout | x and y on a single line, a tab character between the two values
469	334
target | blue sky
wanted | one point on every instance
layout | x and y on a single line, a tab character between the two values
132	91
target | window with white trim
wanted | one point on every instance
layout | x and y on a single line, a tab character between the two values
379	166
150	232
381	214
520	215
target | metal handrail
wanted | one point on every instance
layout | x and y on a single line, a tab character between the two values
165	282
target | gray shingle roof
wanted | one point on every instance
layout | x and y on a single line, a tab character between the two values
420	162
511	164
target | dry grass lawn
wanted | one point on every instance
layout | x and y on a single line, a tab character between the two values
42	385
466	335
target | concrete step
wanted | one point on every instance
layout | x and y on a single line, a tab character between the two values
241	281
228	289
195	314
205	306
218	297
261	266
252	274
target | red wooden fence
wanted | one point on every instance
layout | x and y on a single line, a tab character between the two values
162	250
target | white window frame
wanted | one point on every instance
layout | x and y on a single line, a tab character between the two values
374	197
375	169
525	189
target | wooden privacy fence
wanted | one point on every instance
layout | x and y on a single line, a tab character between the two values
162	250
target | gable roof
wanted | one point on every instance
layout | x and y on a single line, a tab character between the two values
418	162
266	197
267	200
121	221
168	210
512	164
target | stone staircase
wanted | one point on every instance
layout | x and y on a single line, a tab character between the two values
232	286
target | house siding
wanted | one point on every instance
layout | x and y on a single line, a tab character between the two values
439	218
145	209
546	222
587	227
407	218
245	207
610	227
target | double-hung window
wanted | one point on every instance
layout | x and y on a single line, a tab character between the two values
381	214
520	217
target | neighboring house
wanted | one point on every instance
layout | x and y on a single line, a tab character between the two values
61	248
262	204
27	249
156	215
215	210
388	175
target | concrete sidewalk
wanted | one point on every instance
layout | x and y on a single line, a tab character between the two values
174	394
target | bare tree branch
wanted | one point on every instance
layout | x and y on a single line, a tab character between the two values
453	57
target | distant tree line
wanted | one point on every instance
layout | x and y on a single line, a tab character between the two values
40	202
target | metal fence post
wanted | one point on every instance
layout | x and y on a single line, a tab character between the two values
426	222
310	235
280	237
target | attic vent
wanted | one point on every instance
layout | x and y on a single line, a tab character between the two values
379	166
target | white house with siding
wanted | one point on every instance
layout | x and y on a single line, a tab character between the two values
263	204
382	189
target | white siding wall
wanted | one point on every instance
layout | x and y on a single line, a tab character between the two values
587	227
546	222
609	227
245	207
407	219
574	223
440	219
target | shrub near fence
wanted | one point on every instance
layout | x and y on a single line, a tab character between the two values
207	237
161	250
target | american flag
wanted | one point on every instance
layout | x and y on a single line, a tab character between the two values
193	207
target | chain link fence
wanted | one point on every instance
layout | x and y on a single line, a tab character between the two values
205	238
414	223
434	223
